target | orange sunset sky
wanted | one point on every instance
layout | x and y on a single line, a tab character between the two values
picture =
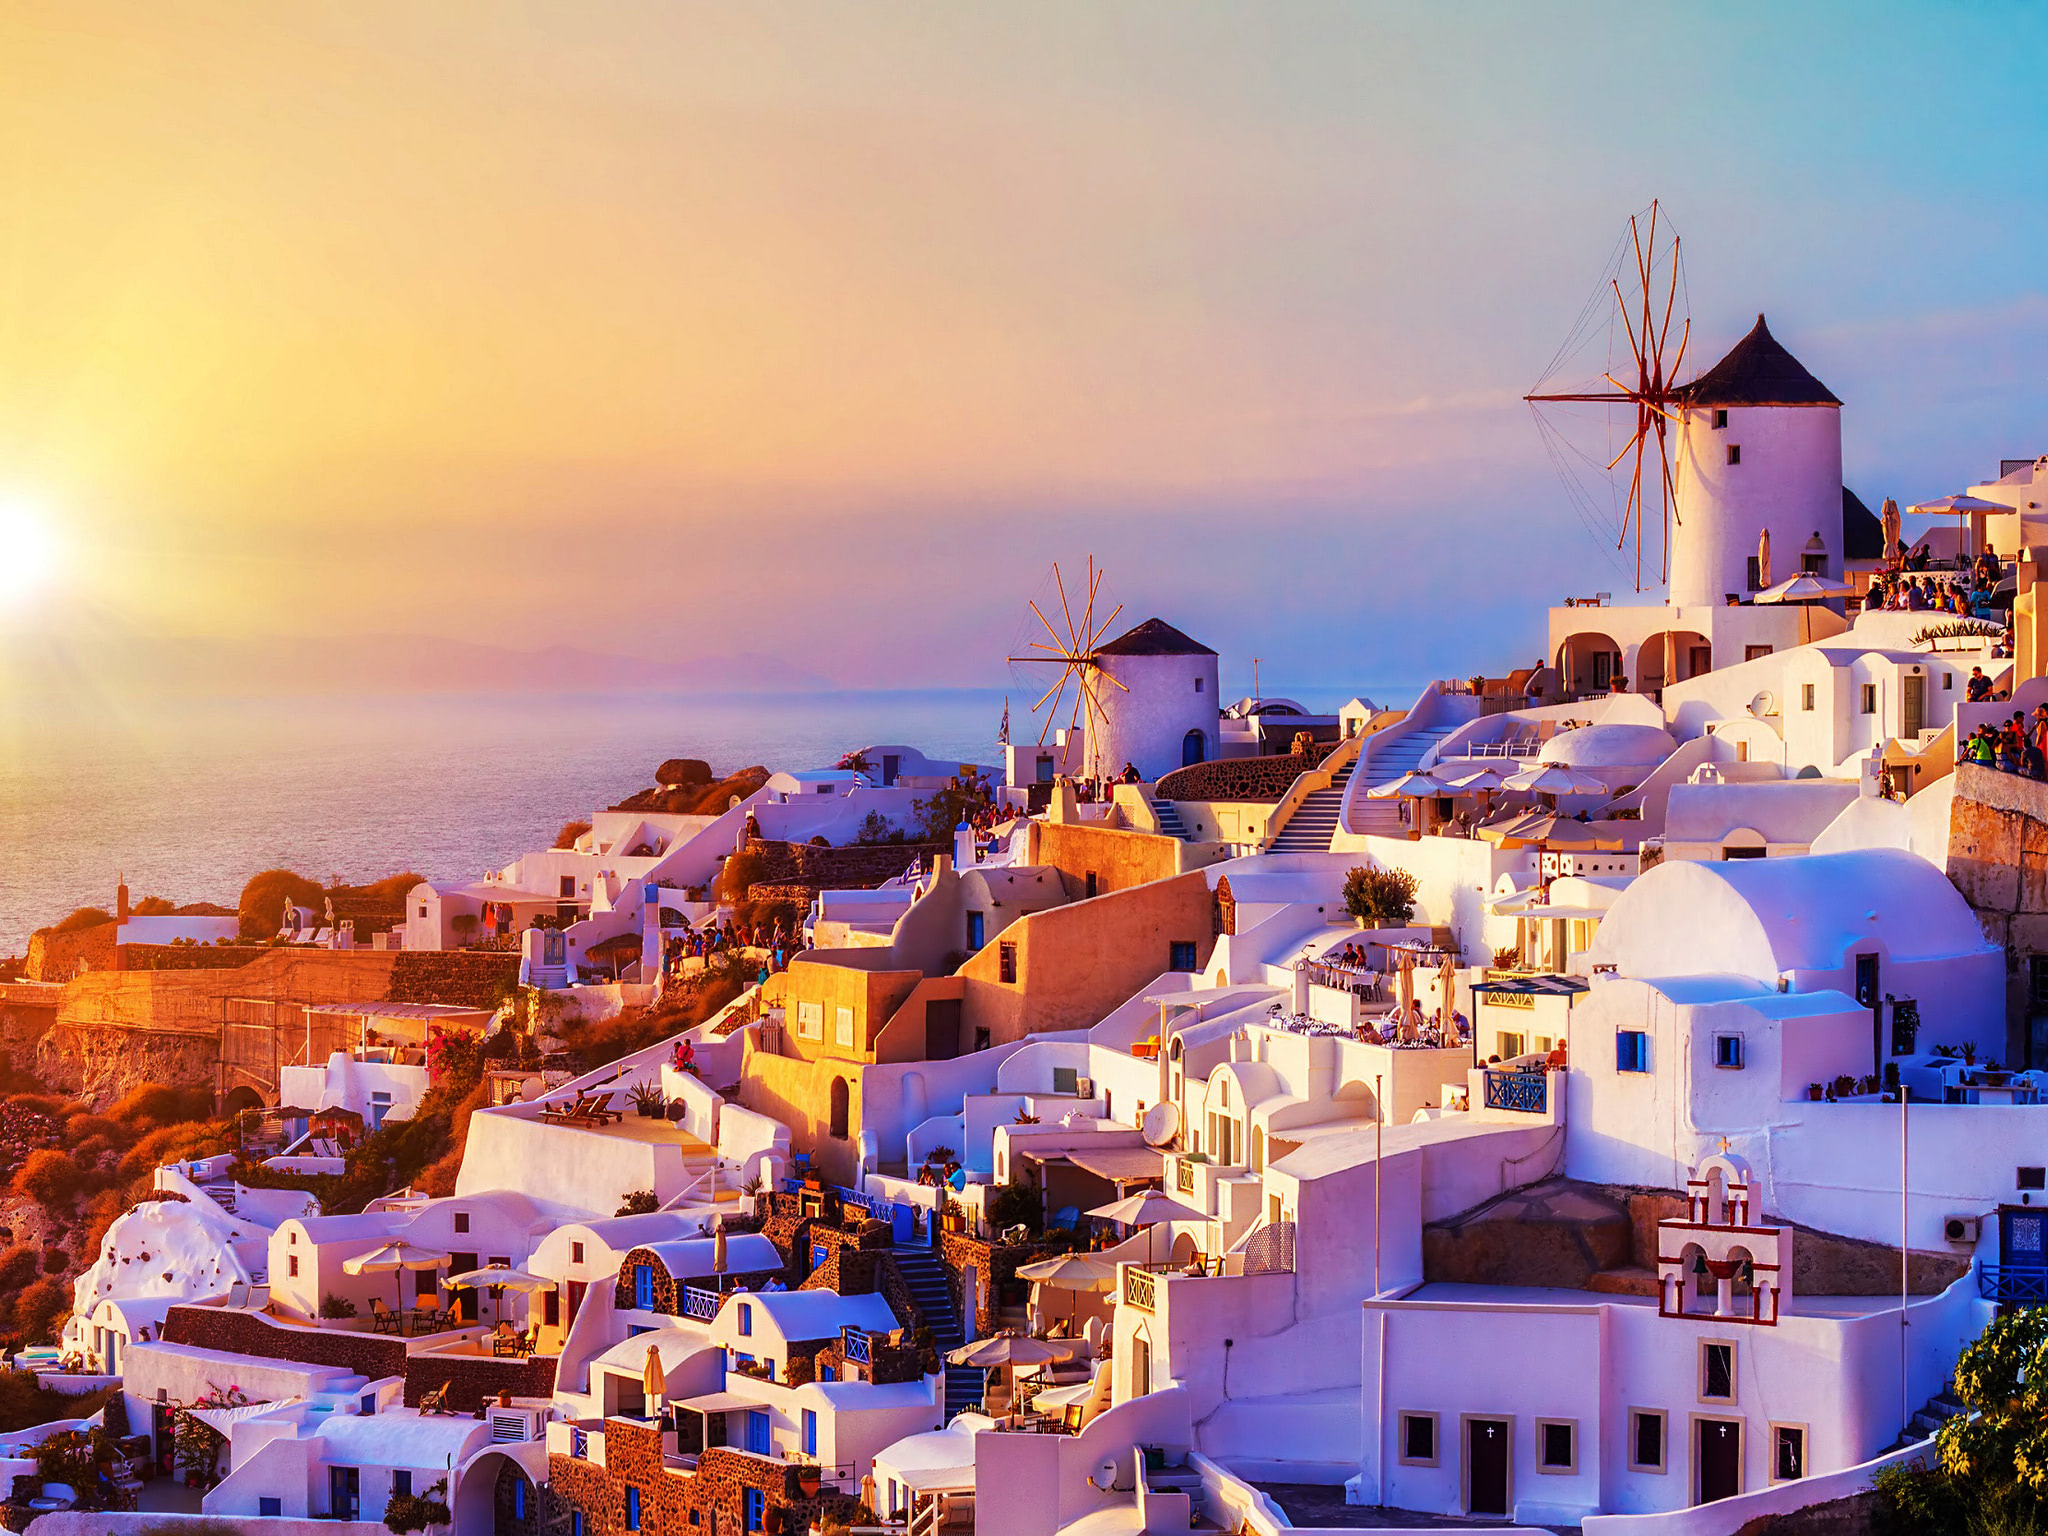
820	330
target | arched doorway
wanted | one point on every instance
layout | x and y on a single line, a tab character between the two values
1588	664
1671	656
1193	747
841	1103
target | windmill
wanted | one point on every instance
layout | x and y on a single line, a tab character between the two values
1072	649
1645	281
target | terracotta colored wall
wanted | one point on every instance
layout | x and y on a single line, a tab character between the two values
1120	859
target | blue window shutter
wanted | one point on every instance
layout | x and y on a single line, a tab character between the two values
632	1508
643	1287
810	1432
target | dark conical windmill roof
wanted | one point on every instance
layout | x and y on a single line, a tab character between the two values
1154	637
1757	371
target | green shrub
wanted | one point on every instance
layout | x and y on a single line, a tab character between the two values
336	1307
263	899
637	1202
416	1511
1384	898
1015	1203
48	1177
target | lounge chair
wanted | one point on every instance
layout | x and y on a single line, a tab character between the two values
238	1295
259	1298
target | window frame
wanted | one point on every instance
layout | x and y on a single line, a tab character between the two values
1735	455
1639	1053
1805	1434
1740	1053
1436	1438
1006	961
1807	693
1662	1466
1550	1469
1734	1377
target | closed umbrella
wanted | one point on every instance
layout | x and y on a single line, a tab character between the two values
1763	558
1890	518
654	1379
718	1244
395	1257
1447	983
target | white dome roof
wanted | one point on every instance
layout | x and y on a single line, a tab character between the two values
1610	746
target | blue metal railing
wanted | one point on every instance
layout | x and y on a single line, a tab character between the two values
1527	1092
579	1444
2011	1285
854	1344
699	1303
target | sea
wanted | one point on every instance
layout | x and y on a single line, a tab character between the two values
188	798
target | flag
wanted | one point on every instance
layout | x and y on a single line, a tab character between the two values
1003	732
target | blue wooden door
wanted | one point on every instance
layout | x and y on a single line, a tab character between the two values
643	1287
757	1432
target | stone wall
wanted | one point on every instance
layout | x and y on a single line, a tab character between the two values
708	1500
473	1380
995	1266
249	1333
1998	859
54	956
26	1014
459	978
803	866
668	1288
185	957
1256	779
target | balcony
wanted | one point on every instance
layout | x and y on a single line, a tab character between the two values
1140	1288
2012	1285
853	1342
1525	1092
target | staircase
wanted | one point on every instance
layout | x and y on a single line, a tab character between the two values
1932	1414
222	1194
932	1289
1169	818
1401	755
1314	822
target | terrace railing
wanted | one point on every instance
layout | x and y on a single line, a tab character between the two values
853	1343
2013	1285
1269	1249
699	1304
1525	1092
1140	1289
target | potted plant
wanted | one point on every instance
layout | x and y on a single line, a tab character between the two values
1969	1053
1813	1092
809	1478
648	1100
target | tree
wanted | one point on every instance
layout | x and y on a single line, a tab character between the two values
85	917
263	899
965	796
1383	898
1993	1468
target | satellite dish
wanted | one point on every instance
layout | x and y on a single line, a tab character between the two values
1161	1125
1764	704
1104	1476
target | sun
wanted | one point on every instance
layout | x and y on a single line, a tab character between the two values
28	551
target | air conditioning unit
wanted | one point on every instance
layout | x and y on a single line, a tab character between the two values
514	1424
1085	1086
1961	1230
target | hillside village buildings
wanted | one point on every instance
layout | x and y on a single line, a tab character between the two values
1095	1169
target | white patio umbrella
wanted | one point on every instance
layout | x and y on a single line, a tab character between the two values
1410	786
496	1278
1803	588
1146	1208
396	1257
1008	1351
1556	779
1477	779
1071	1272
1962	506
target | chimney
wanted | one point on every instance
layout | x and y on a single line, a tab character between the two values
121	899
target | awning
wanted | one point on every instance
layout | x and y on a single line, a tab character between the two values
716	1402
1120	1165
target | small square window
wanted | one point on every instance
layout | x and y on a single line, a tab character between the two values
1717	1372
1728	1052
1066	1079
575	1253
568	885
462	1221
1198	685
401	1483
1646	1440
1788	1452
1806	691
1181	955
2031	1178
265	1505
1418	1440
1869	698
1735	453
1557	1445
1006	961
1631	1051
1720	420
1948	682
291	1267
